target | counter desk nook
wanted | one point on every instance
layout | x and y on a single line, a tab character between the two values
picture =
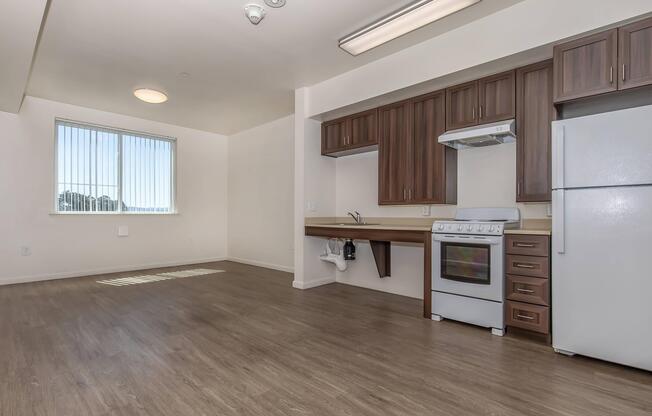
419	231
380	238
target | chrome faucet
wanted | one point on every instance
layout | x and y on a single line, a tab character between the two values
356	217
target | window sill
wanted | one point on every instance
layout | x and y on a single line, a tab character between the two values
101	214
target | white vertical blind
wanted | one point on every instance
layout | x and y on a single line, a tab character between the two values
102	170
146	178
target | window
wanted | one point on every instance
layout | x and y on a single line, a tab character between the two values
104	170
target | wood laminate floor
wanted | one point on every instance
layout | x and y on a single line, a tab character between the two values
245	343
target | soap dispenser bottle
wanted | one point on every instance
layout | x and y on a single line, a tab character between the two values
349	250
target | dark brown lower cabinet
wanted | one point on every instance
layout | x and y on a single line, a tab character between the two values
413	168
534	114
527	282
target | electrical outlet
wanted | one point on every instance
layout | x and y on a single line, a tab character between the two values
25	251
312	206
425	210
123	231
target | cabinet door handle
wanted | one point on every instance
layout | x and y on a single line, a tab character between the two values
404	194
523	266
518	188
410	194
473	113
518	289
529	318
624	71
480	113
611	74
525	245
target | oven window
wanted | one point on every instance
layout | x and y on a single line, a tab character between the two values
466	262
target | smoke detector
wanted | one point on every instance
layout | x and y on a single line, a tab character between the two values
275	3
255	13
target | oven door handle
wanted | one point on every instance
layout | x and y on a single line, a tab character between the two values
444	238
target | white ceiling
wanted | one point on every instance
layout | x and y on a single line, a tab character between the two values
20	22
93	53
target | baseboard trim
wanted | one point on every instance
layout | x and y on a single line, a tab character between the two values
261	264
95	272
314	283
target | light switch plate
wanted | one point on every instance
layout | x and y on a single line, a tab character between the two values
123	231
425	210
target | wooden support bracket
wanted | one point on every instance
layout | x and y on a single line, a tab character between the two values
382	254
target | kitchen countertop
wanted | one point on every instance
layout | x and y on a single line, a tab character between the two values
533	227
528	226
374	223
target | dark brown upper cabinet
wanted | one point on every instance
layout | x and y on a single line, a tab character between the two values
462	105
496	98
363	128
483	101
394	153
435	166
586	66
413	168
635	54
349	135
333	135
534	115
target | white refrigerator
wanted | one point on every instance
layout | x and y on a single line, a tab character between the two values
602	236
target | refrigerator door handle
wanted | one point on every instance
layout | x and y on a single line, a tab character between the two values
558	158
559	219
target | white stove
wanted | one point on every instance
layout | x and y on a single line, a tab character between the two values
468	266
480	221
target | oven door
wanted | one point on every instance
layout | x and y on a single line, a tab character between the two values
468	265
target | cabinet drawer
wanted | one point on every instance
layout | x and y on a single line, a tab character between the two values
527	245
528	266
528	289
531	317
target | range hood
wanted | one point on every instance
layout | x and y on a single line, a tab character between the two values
480	136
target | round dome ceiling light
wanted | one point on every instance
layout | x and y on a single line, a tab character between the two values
150	96
275	3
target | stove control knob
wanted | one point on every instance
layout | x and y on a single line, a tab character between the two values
459	228
441	226
480	228
470	228
491	229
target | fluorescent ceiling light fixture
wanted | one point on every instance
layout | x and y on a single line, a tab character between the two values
409	18
150	96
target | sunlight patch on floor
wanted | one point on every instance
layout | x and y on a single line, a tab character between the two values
137	280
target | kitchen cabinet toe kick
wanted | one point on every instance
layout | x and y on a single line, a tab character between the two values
380	241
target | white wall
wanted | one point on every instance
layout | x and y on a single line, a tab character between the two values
524	26
314	196
486	178
261	195
71	245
